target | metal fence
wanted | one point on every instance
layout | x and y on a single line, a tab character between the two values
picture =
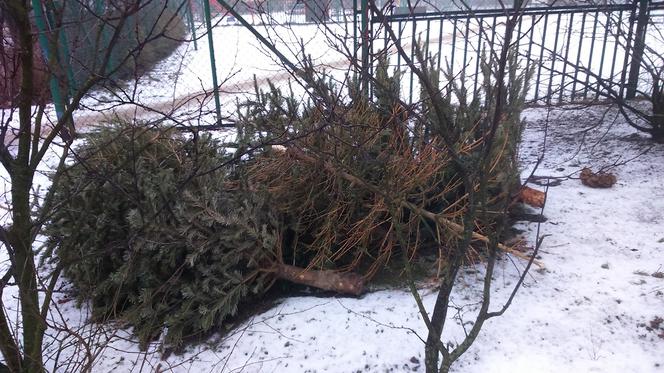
577	52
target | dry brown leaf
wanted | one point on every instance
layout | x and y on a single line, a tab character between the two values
532	197
600	179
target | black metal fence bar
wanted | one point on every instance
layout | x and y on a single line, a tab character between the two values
489	13
541	56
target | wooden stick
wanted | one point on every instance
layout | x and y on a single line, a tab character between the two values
344	283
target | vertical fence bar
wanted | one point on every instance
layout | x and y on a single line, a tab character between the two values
639	46
413	46
440	43
553	60
601	58
615	49
531	41
518	35
454	30
385	43
364	20
628	47
590	59
400	26
566	58
465	50
213	64
480	22
541	56
355	44
371	58
426	54
493	37
578	56
63	47
99	10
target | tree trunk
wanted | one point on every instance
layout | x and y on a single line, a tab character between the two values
431	348
25	271
10	350
20	234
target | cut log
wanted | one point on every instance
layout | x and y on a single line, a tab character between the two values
532	197
343	283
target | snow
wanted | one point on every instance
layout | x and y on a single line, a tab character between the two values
179	83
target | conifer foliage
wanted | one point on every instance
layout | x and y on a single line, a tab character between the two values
151	237
153	229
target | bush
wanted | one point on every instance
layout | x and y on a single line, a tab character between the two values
158	35
149	241
148	36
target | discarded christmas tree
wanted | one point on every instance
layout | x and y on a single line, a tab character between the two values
148	238
173	235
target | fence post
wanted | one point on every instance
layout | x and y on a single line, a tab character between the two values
190	19
364	32
355	46
100	10
65	56
639	45
40	21
213	64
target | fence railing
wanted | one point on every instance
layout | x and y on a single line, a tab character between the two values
577	52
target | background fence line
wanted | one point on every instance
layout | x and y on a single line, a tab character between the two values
569	47
577	51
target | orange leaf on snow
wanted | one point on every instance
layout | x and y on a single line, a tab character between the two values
532	197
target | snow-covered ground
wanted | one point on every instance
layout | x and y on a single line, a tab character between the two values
183	82
588	311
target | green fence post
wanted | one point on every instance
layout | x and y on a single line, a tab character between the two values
213	65
355	43
99	10
58	101
63	43
190	20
